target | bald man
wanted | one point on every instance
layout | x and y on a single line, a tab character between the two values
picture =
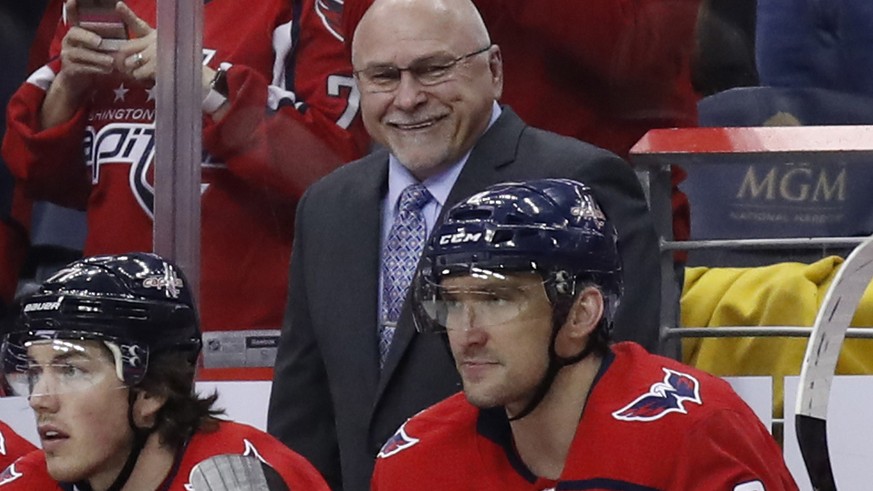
430	79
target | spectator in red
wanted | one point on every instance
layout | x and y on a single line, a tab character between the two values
279	111
12	446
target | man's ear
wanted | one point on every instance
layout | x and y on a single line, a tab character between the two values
146	406
582	320
495	66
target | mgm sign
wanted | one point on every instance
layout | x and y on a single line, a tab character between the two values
795	199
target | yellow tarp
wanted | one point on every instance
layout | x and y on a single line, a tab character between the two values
785	294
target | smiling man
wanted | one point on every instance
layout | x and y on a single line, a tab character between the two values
524	278
105	352
430	80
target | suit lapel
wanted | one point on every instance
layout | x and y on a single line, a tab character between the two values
495	149
361	240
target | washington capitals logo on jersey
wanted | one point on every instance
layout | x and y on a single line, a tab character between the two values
663	398
397	443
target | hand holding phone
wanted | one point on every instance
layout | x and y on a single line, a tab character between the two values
102	18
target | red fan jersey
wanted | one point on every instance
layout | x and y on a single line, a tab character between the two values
12	446
650	423
29	473
292	119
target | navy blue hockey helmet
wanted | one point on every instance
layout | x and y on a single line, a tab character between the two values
137	304
553	227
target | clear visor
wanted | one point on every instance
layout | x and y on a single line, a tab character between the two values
40	367
481	299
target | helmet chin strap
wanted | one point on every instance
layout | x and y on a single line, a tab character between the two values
140	435
556	363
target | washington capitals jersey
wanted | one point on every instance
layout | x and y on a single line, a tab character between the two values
12	446
649	424
30	473
292	118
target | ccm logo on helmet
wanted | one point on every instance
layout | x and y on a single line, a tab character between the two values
460	238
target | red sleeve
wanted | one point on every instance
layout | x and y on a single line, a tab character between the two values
27	474
49	163
286	133
295	470
353	10
724	451
12	446
43	39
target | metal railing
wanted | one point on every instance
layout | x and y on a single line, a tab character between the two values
652	157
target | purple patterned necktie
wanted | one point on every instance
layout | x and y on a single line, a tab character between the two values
399	260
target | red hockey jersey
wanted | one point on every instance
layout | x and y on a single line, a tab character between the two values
292	119
30	473
12	446
649	423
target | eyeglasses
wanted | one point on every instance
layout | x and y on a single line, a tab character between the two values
429	71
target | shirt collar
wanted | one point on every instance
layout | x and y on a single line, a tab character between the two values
439	185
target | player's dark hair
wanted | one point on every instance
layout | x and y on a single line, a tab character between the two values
184	413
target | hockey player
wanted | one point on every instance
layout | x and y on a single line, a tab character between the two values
525	278
105	352
12	446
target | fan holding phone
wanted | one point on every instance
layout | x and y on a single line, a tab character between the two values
104	37
279	111
101	17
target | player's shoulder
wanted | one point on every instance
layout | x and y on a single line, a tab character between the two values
27	473
13	443
653	387
232	437
444	424
241	439
32	461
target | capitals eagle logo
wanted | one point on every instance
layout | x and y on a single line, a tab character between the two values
397	443
669	396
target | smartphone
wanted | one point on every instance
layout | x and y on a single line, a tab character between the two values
100	16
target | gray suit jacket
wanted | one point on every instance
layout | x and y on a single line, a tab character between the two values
329	401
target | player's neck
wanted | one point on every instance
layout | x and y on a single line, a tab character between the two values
152	466
543	437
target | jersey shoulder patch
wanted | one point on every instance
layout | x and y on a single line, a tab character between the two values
664	397
9	474
397	443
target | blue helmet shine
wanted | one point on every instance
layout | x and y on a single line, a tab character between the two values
137	302
550	226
